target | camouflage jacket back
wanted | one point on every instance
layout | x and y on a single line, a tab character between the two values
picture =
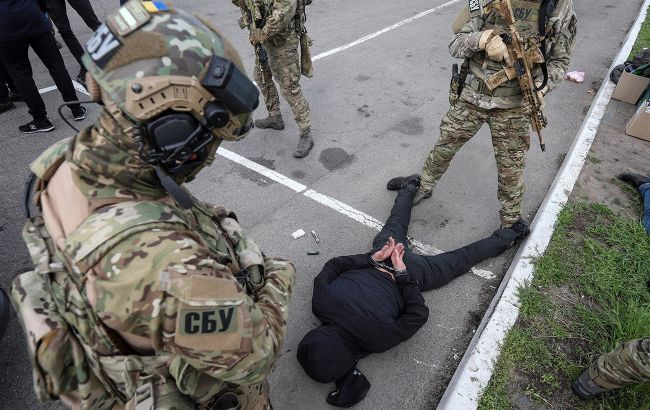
560	39
143	293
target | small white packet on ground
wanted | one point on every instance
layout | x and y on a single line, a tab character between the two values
298	234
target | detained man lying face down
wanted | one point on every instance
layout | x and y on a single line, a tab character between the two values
371	302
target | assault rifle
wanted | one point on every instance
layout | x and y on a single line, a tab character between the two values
522	66
256	19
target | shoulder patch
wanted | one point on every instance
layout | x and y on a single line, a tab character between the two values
474	6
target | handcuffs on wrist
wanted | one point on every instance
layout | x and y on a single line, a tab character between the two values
397	274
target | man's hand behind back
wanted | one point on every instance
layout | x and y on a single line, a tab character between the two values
386	251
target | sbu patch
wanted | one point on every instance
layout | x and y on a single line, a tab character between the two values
211	315
208	321
474	6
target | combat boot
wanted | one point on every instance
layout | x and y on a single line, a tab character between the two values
636	180
305	144
585	388
515	233
398	183
274	122
421	196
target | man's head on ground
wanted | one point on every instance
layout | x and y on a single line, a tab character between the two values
635	180
174	88
326	357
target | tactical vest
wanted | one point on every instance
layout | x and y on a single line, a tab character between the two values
526	14
76	357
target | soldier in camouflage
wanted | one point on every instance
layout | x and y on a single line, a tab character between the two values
628	364
477	40
142	296
277	25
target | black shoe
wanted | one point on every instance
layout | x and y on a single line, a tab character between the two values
350	389
636	180
14	96
79	113
521	228
398	183
516	232
81	78
7	106
34	127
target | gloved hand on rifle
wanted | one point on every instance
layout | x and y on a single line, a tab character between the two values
257	36
540	94
494	46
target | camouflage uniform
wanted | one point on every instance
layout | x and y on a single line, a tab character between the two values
628	364
283	65
502	109
134	301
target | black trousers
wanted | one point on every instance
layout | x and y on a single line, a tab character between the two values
14	55
59	16
6	84
434	271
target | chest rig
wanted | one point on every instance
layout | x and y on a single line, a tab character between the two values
76	357
531	21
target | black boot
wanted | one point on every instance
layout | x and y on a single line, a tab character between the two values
636	180
516	232
398	183
585	388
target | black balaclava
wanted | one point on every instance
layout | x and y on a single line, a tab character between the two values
325	355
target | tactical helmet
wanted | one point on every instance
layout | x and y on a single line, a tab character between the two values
175	78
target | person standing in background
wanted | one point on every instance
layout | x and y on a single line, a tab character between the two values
59	15
8	93
23	24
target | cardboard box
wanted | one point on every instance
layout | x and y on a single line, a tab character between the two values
639	125
630	87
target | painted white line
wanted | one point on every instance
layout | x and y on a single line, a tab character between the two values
76	85
344	209
380	32
475	370
260	169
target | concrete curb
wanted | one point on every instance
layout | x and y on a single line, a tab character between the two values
475	369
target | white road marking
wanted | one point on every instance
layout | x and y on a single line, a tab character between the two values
332	203
380	32
475	370
260	169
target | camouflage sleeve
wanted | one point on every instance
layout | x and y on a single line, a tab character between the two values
166	292
465	42
559	56
282	12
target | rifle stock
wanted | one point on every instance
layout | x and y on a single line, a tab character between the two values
522	65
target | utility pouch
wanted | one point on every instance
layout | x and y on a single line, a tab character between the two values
306	64
61	369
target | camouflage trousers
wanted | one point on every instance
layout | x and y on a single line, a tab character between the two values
283	66
629	363
510	129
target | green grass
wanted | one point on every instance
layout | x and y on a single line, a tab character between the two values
643	40
589	293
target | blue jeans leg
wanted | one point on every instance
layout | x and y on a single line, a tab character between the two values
645	193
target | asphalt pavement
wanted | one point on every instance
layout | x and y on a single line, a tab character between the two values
376	107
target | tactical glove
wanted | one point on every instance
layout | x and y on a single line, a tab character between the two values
257	36
494	47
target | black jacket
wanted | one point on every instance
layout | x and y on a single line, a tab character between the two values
23	19
377	313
